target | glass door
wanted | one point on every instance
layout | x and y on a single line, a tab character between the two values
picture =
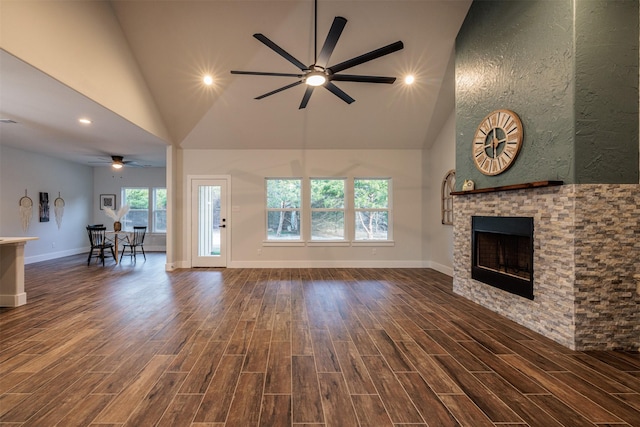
209	223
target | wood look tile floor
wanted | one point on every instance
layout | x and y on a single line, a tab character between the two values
133	345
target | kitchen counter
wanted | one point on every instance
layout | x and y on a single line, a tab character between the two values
12	292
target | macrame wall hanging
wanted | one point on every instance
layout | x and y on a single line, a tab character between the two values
26	211
58	209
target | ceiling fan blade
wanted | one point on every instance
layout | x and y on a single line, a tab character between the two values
362	79
280	51
330	42
279	90
338	92
393	47
135	164
305	97
260	73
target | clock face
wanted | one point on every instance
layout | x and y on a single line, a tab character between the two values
497	142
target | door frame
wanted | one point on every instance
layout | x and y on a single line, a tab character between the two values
189	215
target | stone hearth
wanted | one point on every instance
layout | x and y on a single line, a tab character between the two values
586	262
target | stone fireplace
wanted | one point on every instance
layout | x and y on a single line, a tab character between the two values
586	253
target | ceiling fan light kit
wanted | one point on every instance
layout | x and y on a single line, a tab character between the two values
117	162
319	73
315	78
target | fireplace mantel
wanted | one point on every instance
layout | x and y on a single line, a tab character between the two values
536	184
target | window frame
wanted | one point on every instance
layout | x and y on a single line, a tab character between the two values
284	242
388	210
151	208
343	210
305	214
154	210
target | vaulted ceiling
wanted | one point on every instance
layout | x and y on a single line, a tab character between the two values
174	43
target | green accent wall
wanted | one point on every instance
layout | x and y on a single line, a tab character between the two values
569	69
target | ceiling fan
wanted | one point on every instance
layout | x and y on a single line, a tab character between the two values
319	73
118	162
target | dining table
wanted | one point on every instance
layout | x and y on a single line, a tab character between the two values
118	236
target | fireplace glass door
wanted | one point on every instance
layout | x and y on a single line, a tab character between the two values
502	253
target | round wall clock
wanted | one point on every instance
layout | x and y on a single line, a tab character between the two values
497	142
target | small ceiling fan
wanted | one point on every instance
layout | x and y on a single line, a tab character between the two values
319	73
118	162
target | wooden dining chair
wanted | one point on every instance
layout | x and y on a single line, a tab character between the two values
135	240
99	242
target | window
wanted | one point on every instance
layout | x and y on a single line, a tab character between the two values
372	210
284	199
147	207
327	209
160	210
336	211
138	201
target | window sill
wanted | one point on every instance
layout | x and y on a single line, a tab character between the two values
329	243
334	243
373	243
283	243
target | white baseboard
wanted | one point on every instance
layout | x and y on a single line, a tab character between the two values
55	255
312	264
326	264
441	268
69	252
170	266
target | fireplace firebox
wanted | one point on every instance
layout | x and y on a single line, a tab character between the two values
502	253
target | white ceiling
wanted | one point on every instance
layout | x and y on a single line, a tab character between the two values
175	42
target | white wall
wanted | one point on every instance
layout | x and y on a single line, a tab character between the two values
420	239
22	170
438	160
109	181
248	169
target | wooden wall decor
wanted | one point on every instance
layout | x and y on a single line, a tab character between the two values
448	185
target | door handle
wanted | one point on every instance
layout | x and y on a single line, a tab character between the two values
222	225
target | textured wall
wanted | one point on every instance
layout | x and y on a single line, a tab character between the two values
517	56
555	71
606	108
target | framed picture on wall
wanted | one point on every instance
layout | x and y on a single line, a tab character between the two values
107	201
44	207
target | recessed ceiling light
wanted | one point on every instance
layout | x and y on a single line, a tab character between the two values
409	79
208	80
85	121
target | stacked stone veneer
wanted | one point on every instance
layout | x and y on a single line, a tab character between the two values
586	262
